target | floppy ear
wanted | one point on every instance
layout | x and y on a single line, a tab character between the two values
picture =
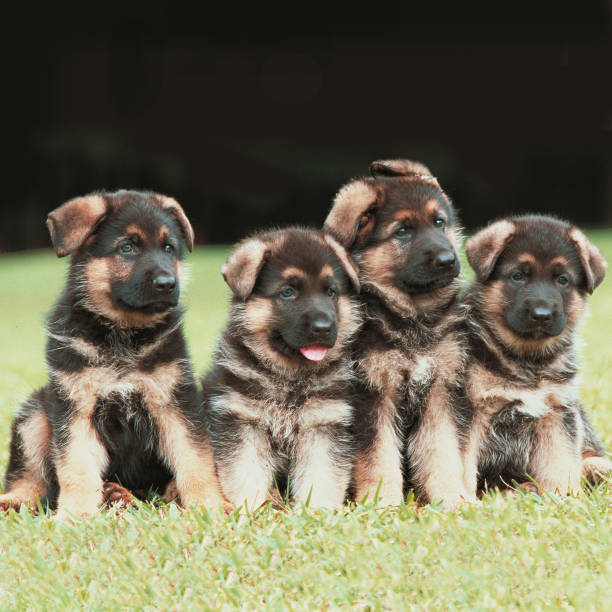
242	267
484	248
349	266
175	209
351	218
593	262
397	167
73	222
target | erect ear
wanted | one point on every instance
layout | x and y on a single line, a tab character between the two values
242	267
350	267
175	209
397	167
73	222
593	262
484	248
351	218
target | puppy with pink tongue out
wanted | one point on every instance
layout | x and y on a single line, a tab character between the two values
277	398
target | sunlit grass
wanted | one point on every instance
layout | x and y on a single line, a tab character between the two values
511	552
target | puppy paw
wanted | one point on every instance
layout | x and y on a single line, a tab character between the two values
7	502
115	494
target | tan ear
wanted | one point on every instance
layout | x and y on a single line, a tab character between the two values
593	262
242	267
350	267
351	218
397	167
175	209
73	222
484	248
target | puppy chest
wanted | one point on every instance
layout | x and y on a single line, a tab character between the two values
124	422
283	423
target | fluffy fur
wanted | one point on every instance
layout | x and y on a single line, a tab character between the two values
532	275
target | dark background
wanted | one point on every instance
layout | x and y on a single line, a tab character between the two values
250	122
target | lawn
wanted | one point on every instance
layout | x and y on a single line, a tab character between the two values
516	553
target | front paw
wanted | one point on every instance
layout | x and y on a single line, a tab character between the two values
114	494
7	502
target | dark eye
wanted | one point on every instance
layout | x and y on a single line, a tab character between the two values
331	292
440	223
563	280
287	292
168	248
518	276
401	231
127	247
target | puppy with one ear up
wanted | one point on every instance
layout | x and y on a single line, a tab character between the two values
121	402
278	394
402	230
532	275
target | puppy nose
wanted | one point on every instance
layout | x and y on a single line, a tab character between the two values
164	283
541	314
444	259
321	327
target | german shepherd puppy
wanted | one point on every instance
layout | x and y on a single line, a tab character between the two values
403	232
277	395
121	401
532	275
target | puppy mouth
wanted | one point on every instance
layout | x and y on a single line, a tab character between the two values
310	352
314	352
538	333
148	308
427	287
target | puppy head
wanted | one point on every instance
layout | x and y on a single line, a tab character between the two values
127	251
534	272
292	297
402	230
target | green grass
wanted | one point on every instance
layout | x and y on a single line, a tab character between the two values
518	553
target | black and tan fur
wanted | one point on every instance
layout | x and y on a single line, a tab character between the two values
402	231
277	418
121	401
532	276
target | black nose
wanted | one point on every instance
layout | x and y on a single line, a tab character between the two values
541	314
444	259
164	283
321	327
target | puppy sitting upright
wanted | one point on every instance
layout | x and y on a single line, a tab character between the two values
402	230
278	393
121	402
532	274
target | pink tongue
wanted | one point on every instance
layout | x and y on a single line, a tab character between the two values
316	352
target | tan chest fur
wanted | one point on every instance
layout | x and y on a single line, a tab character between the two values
490	392
284	423
393	371
86	387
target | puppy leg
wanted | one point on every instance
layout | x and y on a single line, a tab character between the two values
191	461
556	460
247	471
80	461
595	462
379	467
321	468
434	454
26	476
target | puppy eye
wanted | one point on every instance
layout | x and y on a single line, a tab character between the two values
126	248
563	280
332	293
517	276
440	223
168	248
288	292
401	231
